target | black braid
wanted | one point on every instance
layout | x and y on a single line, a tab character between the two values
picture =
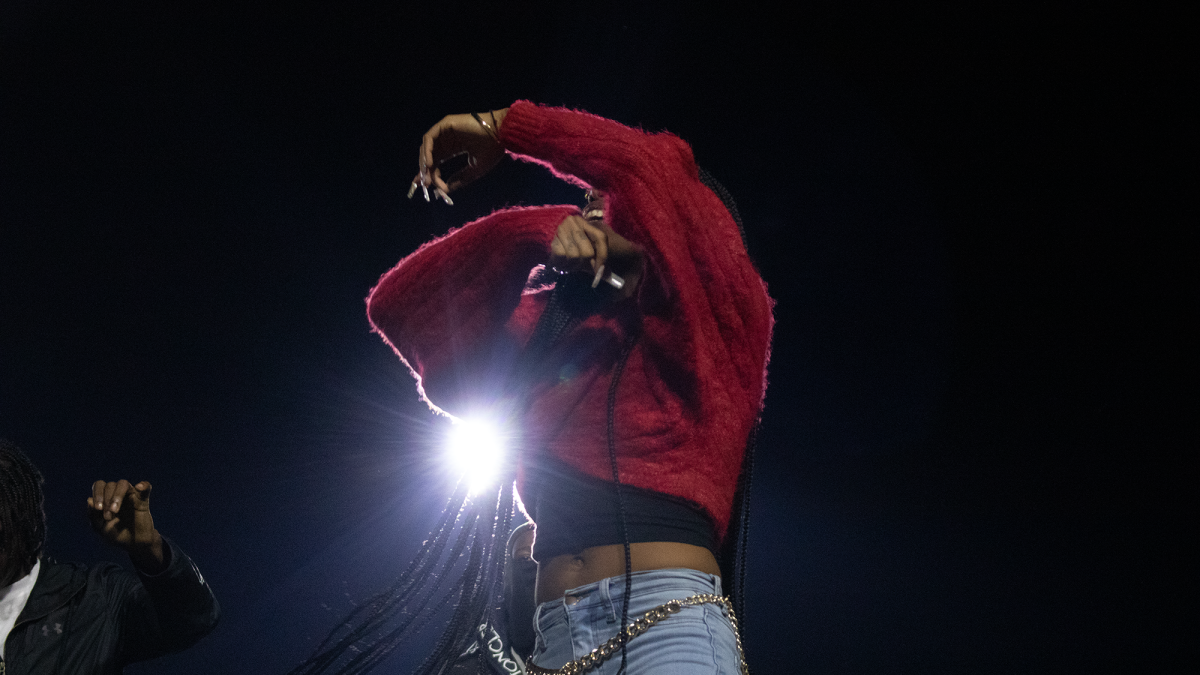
630	341
571	301
22	511
474	529
726	199
734	548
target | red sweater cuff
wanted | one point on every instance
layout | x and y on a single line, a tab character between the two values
522	127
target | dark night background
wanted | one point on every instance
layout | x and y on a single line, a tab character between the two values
963	467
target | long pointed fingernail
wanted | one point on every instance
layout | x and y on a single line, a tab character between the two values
444	197
599	274
412	189
615	281
425	190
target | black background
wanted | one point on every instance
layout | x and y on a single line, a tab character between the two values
966	462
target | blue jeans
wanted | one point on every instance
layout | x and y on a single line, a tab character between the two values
698	640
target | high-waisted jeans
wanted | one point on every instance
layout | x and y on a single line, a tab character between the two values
698	640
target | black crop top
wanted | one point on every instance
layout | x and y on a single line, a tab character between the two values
574	512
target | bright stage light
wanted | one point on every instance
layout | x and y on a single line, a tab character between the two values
476	449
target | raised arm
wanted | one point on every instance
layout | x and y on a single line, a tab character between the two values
168	606
444	309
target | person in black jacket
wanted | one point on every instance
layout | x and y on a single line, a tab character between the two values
69	618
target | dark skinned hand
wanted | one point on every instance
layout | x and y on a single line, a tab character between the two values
591	245
120	514
455	134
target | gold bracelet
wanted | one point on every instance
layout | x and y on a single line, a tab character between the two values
486	127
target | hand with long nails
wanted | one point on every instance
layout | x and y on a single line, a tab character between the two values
580	244
454	135
437	192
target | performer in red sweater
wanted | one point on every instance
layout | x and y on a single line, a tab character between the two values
634	402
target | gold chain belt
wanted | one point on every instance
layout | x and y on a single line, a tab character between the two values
606	651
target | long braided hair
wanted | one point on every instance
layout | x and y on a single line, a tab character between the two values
22	512
459	564
734	547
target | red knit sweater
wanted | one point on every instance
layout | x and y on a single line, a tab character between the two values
694	383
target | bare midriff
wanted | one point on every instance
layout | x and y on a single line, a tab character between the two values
561	573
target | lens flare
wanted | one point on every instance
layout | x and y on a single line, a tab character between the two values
475	448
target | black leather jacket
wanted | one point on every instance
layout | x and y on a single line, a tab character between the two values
84	621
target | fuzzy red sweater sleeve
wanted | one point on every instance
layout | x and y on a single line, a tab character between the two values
443	308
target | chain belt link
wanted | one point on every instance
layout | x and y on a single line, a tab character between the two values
607	650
